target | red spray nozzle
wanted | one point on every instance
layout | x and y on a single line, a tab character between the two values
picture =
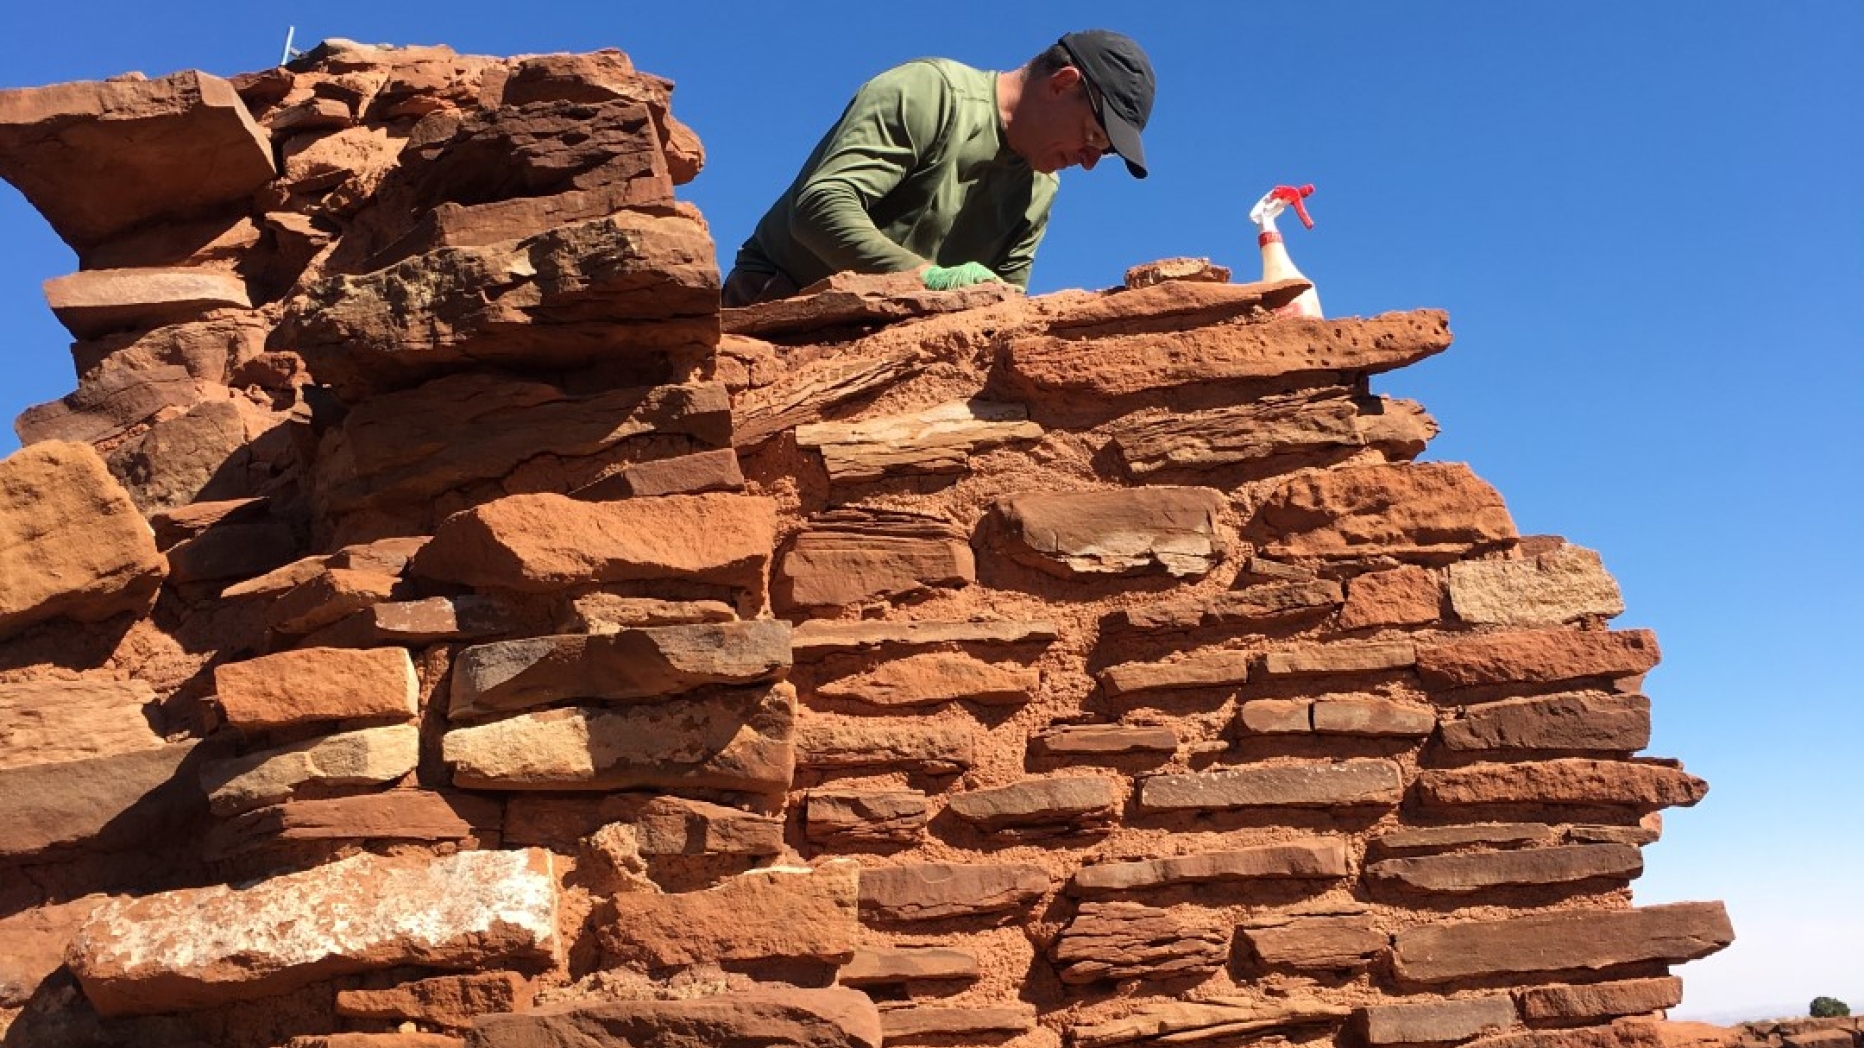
1293	196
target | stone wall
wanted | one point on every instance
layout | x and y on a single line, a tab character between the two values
431	620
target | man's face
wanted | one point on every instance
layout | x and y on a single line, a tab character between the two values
1064	129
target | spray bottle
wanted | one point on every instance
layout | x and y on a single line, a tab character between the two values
1276	265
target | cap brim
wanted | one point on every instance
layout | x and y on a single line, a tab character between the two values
1125	139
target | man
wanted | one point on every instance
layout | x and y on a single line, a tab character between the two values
949	171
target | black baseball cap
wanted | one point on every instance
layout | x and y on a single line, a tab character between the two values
1122	74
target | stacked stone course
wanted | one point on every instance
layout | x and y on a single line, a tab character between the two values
433	621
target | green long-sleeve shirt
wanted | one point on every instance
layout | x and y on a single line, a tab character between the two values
915	171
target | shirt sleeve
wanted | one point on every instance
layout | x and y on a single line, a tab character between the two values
894	122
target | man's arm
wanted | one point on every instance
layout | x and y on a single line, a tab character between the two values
1022	257
893	122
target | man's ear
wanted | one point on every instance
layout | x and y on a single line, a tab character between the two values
1064	80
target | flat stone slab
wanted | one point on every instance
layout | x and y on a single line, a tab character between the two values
1260	605
847	300
309	685
46	722
938	748
352	759
937	890
1215	669
628	664
199	947
1586	940
98	804
1214	1018
1075	803
394	815
856	817
1575	721
1430	510
1436	1022
1565	584
1476	871
1085	741
819	637
98	158
1300	425
1341	657
826	1018
906	965
1318	944
96	302
928	1023
1312	859
1607	1000
72	543
1158	529
450	1001
1312	784
1128	940
935	677
936	441
1563	780
661	824
848	557
778	913
737	739
1536	656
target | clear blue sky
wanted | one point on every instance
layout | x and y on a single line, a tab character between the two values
1644	219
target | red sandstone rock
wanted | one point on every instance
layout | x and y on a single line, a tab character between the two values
931	891
1565	780
1276	431
33	944
1476	871
1620	1035
72	544
1249	608
628	665
1276	716
939	440
452	1001
600	76
662	825
851	300
803	393
817	638
785	912
830	1018
316	684
1128	940
600	612
1313	784
1084	741
1436	1022
1438	838
1214	669
855	817
47	722
1607	1000
111	401
935	677
1403	596
98	302
1536	656
97	159
1306	348
418	622
1147	274
1318	944
1342	657
538	543
1316	858
693	474
349	760
99	804
1567	941
737	739
197	947
396	815
1126	532
1575	721
923	1024
1215	1019
1430	510
848	557
1074	803
911	964
1371	716
219	449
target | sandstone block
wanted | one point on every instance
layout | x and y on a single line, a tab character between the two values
72	544
1214	1019
328	597
317	684
48	722
937	890
97	302
1475	871
845	300
1403	596
1150	274
1250	608
1083	741
1342	657
1568	941
1607	1000
1536	656
1064	804
1313	784
1214	669
1417	510
935	677
694	474
98	804
451	1001
661	825
395	815
1435	1022
778	913
1575	721
218	450
804	393
1565	584
1311	859
1318	944
1317	349
1564	780
737	739
1127	940
938	440
1276	716
608	613
541	543
99	158
626	665
1371	716
848	557
420	622
819	637
856	817
1618	1035
481	427
1299	426
910	964
241	547
199	947
1175	306
942	1025
33	944
370	757
110	401
824	742
1439	838
1124	532
829	1018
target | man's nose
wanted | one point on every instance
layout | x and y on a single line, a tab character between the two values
1090	157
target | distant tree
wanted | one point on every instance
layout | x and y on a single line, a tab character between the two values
1829	1008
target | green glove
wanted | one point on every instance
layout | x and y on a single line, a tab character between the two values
945	278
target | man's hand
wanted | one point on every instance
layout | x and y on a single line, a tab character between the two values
945	278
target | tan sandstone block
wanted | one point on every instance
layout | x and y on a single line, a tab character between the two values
317	684
1172	530
1565	584
45	722
370	757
